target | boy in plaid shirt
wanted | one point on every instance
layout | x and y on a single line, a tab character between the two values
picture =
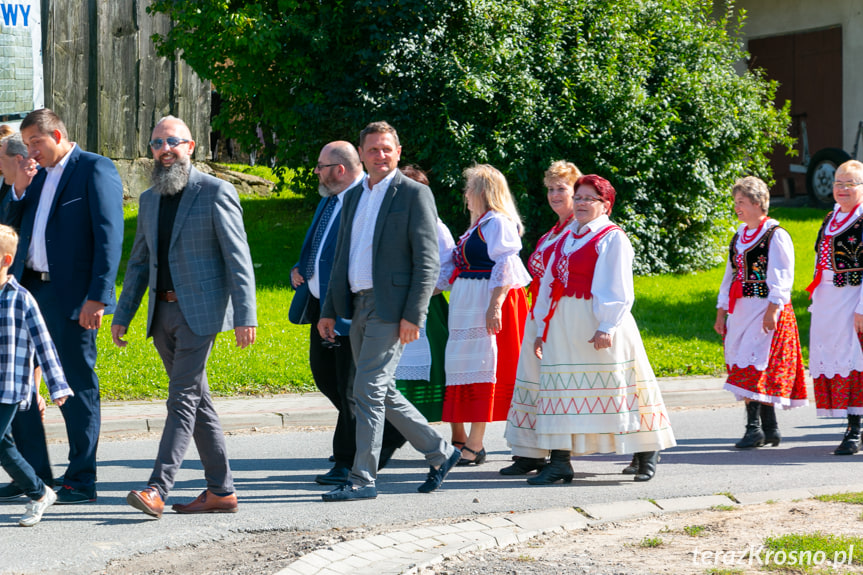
23	335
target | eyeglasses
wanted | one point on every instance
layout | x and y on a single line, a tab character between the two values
322	166
586	200
172	142
846	185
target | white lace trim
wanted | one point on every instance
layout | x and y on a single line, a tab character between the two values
413	372
468	334
509	271
472	377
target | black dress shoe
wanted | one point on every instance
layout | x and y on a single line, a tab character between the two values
436	476
10	492
72	496
349	492
338	475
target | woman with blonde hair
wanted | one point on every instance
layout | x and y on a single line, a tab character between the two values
520	431
487	309
754	313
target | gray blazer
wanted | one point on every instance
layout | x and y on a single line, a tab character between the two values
211	266
405	262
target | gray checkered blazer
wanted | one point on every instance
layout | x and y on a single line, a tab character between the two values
211	266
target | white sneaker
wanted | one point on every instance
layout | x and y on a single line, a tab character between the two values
34	510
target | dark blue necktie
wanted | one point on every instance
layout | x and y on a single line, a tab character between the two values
319	235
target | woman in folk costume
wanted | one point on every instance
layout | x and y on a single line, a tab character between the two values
754	313
487	309
420	375
597	391
560	181
835	354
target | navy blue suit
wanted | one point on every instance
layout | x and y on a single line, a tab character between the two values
83	241
299	312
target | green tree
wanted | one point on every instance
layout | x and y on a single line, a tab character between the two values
643	92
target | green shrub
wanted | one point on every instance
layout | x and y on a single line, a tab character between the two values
643	92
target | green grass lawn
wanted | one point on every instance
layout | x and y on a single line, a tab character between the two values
675	313
277	363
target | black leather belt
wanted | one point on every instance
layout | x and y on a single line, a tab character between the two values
364	292
169	296
43	276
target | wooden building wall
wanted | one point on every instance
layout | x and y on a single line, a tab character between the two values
103	77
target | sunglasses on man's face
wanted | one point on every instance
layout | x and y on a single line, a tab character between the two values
172	142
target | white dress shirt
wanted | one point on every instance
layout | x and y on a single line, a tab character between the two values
37	254
315	280
363	233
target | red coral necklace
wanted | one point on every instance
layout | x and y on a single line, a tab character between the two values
748	238
836	225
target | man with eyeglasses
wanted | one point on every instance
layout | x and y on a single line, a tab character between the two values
191	252
69	216
332	363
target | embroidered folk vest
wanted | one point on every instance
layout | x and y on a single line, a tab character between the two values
846	252
536	264
574	272
471	257
754	280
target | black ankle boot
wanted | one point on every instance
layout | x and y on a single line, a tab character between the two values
632	468
754	436
769	425
851	442
647	461
559	468
524	465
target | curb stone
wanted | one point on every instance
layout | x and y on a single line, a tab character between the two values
413	551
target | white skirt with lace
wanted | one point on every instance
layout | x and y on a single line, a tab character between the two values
471	353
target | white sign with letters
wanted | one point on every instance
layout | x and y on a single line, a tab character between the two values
21	86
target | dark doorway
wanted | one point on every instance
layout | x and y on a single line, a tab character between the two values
808	67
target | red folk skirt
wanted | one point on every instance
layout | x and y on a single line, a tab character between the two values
783	382
489	401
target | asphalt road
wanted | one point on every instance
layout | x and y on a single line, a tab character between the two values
274	472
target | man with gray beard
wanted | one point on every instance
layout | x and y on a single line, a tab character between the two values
191	251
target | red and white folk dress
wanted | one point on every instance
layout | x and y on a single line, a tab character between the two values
762	366
835	353
480	368
592	400
521	421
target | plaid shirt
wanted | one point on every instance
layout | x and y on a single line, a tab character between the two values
23	335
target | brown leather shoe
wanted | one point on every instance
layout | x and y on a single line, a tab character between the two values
149	501
208	502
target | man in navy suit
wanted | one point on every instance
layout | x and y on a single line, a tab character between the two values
332	364
69	217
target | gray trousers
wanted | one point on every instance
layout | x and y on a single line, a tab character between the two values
377	350
191	414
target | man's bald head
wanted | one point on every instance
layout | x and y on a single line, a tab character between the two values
338	167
